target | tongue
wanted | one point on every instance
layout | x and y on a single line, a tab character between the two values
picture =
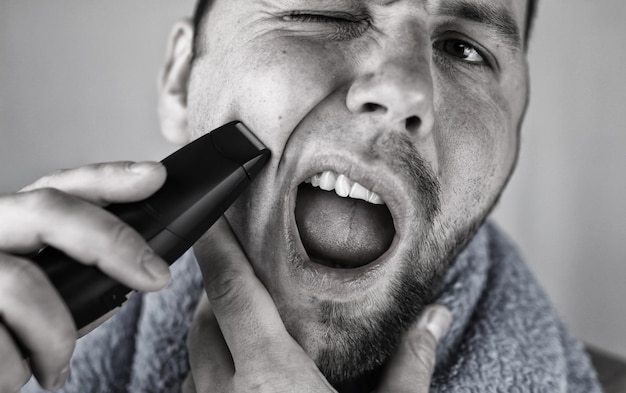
342	232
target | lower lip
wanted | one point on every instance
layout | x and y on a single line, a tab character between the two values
325	280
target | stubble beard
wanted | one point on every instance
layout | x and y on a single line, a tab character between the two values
357	348
357	344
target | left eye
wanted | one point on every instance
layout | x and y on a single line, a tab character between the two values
461	50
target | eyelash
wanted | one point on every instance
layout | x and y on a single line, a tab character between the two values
485	61
347	25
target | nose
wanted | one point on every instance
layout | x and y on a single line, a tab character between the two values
397	89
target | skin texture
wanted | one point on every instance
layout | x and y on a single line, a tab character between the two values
373	89
382	92
238	343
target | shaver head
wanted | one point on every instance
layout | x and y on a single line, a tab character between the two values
205	177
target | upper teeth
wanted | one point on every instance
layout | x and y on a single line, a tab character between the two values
344	187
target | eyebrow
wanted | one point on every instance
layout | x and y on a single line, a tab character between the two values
497	18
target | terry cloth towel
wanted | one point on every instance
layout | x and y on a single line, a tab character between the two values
505	335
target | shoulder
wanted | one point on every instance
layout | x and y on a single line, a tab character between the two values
507	333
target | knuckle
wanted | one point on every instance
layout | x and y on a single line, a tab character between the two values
122	233
424	350
63	340
227	289
23	273
46	181
258	382
62	348
28	276
54	174
97	167
42	195
427	361
108	168
46	198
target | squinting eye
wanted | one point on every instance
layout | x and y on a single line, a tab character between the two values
344	26
313	18
461	50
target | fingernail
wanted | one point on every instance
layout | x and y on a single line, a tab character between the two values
437	321
155	266
144	166
60	380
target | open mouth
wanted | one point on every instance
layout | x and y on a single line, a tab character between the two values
342	224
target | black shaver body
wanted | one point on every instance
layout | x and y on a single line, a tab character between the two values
203	179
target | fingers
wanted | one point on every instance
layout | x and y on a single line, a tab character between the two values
242	344
411	367
43	215
244	309
116	182
82	230
210	360
46	213
35	313
213	370
14	370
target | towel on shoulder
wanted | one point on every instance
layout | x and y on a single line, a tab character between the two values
505	335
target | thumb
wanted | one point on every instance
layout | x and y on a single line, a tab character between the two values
410	369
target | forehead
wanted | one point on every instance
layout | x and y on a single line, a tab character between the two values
517	8
506	18
508	15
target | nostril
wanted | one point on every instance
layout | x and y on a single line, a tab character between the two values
412	124
372	107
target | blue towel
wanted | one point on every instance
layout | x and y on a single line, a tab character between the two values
505	335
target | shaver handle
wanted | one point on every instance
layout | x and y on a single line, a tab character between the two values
87	291
204	179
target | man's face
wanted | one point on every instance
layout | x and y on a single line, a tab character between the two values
417	101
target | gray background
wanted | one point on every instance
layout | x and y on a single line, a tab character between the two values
77	85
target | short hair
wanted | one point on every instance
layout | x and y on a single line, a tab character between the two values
202	8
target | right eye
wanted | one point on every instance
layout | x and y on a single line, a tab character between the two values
462	51
344	26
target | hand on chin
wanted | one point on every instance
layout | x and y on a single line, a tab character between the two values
238	343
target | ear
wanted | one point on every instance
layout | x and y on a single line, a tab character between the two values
173	82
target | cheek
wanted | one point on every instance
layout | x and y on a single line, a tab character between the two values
269	84
281	83
476	144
